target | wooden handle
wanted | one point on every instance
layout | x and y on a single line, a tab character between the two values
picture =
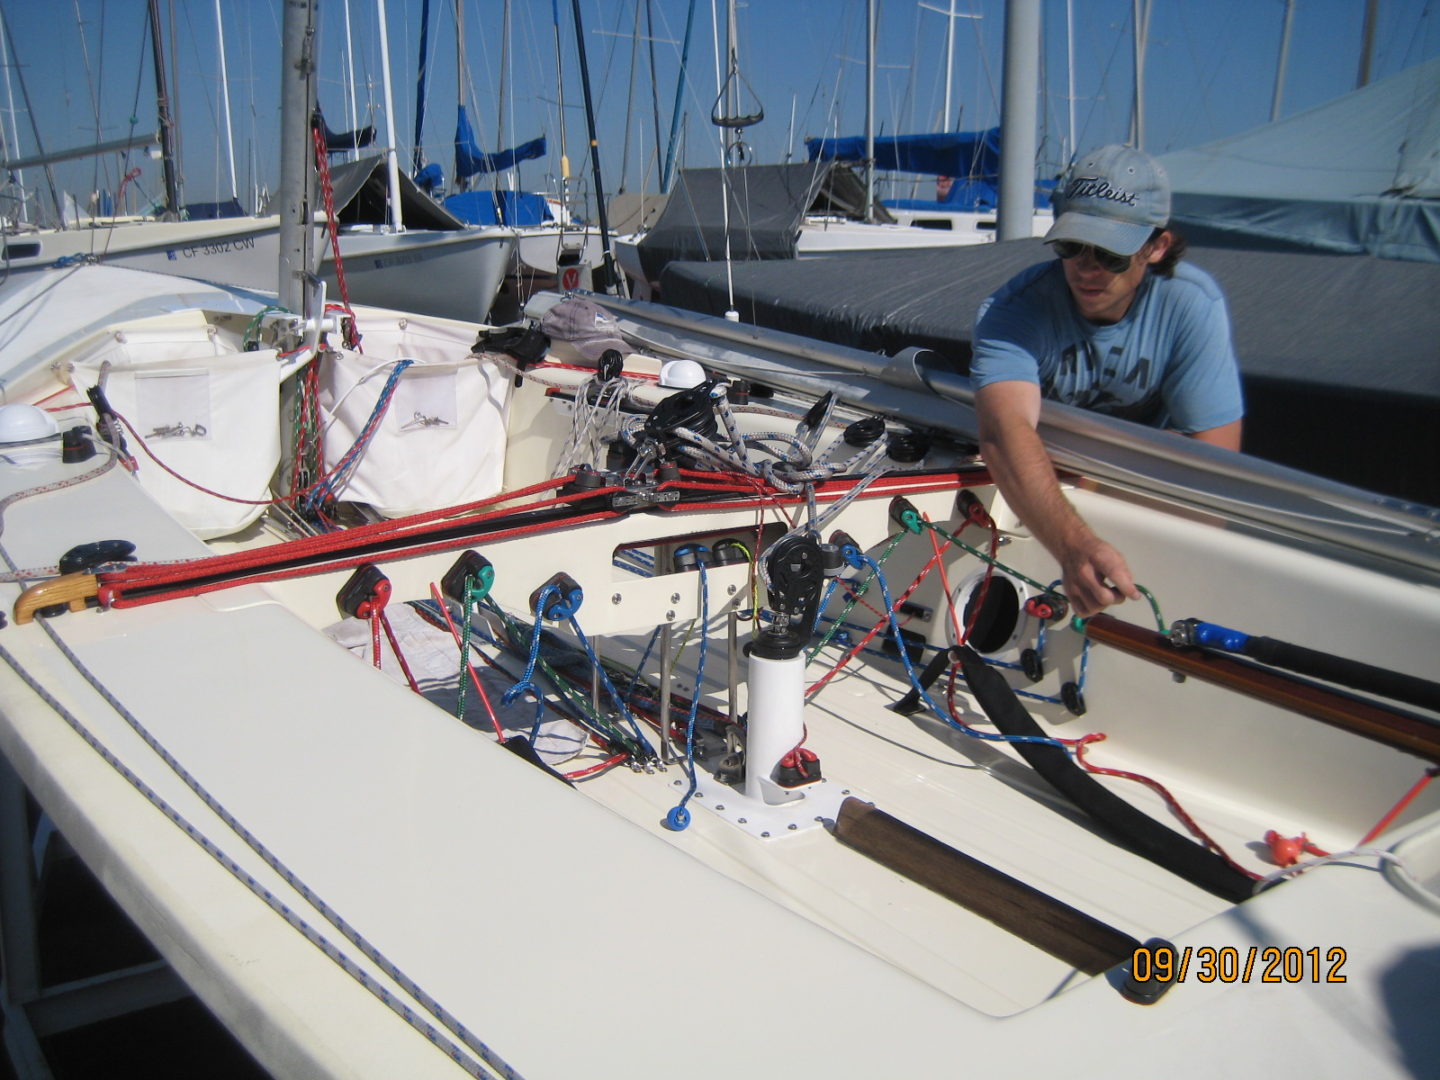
73	590
1066	933
1365	718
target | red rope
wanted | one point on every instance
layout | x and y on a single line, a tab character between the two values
1405	800
146	574
816	687
384	621
1082	743
112	596
322	166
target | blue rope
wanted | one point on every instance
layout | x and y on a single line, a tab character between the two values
527	680
679	817
605	680
352	456
858	559
640	667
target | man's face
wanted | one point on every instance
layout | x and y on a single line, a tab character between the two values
1103	297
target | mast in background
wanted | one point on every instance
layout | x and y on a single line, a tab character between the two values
1367	42
1018	120
1141	9
167	126
611	277
225	102
391	161
1284	58
870	110
13	135
946	122
668	174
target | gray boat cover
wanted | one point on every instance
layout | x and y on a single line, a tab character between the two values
761	217
362	193
1340	354
1360	173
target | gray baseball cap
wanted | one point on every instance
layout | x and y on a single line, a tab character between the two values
1111	198
586	325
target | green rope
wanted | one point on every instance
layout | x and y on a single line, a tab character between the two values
914	522
477	587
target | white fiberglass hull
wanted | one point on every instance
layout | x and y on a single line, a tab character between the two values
362	886
452	274
241	252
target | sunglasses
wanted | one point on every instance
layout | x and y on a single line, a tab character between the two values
1108	260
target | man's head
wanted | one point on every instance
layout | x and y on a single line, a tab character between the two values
1112	198
1112	208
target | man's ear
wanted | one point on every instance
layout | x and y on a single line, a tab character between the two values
1159	247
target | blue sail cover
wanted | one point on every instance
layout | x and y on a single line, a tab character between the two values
1358	174
959	154
971	159
470	160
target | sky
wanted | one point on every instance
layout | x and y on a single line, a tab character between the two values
1209	70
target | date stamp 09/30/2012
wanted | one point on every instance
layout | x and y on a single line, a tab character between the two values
1167	963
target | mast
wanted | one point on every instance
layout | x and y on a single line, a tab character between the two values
167	126
418	154
297	103
950	16
560	93
392	162
505	75
225	101
594	146
350	71
1367	43
1280	64
44	159
869	110
1141	10
1072	149
668	173
1018	110
14	134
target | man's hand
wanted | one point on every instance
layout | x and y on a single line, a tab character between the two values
1095	576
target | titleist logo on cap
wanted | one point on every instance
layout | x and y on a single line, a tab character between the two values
1093	187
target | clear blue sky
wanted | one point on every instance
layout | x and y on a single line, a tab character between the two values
1210	71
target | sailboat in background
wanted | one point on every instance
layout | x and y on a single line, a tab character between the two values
213	242
553	247
824	208
436	264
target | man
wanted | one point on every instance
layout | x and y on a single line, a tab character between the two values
1114	325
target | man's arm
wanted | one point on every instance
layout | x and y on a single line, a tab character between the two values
1095	575
1226	435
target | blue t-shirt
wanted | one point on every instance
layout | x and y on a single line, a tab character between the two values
1169	362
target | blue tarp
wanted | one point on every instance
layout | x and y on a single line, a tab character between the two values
1357	174
499	208
971	159
973	155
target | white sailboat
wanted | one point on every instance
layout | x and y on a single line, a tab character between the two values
236	249
438	266
735	832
